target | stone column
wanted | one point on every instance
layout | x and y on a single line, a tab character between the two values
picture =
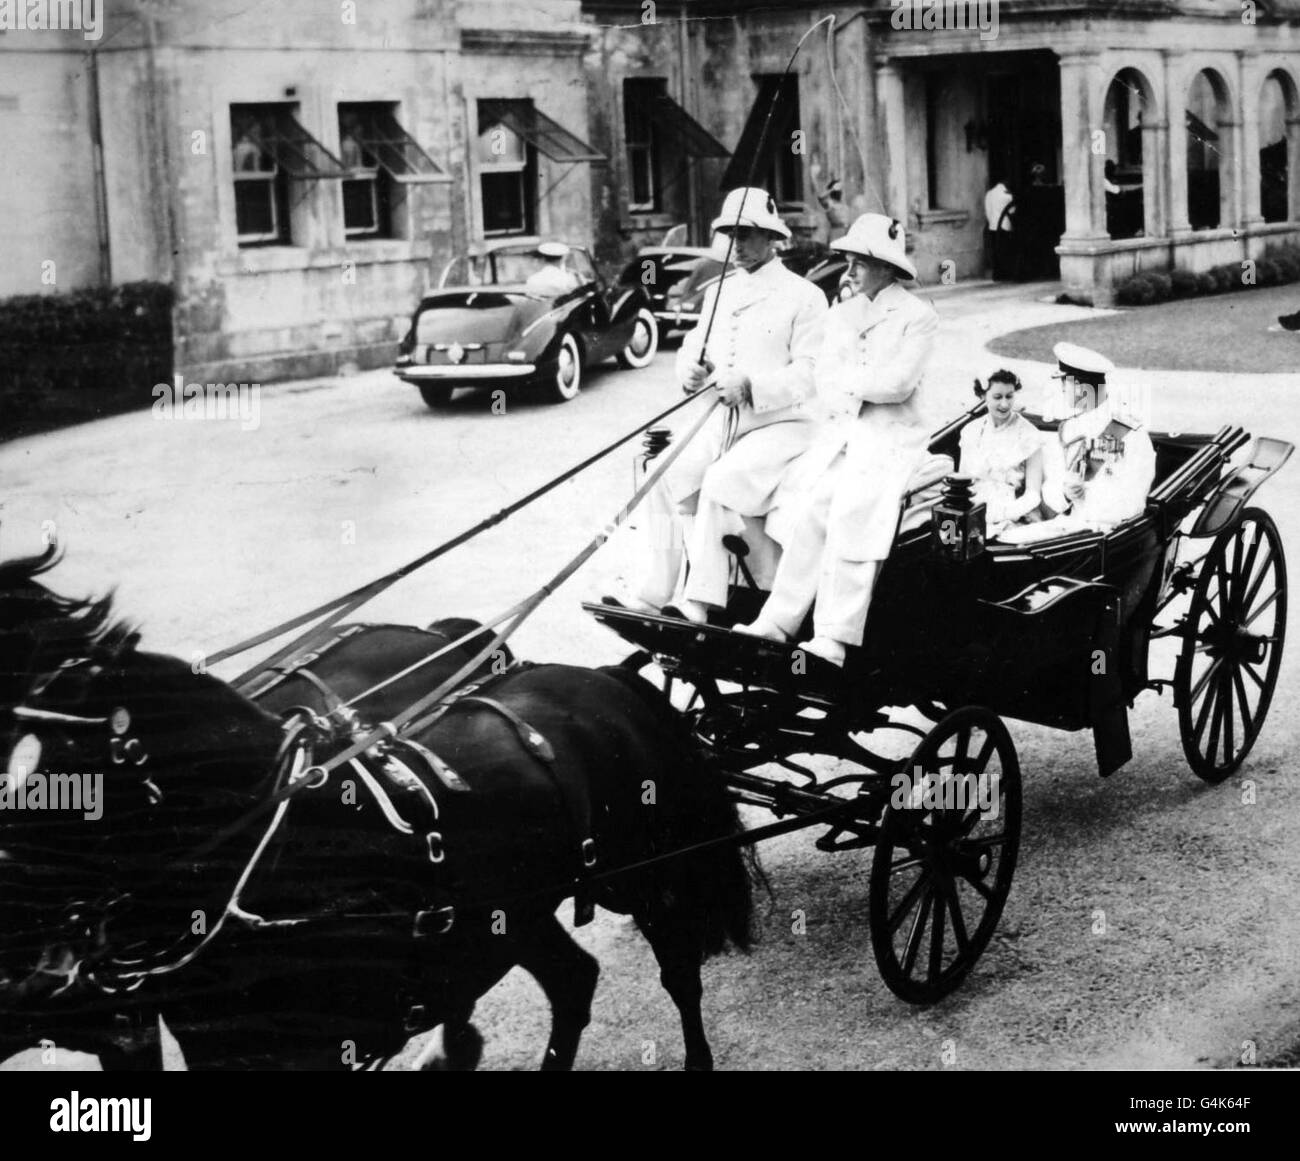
1081	115
1293	166
1176	110
1248	86
892	111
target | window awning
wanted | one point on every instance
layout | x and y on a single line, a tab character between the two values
547	136
276	131
377	132
771	89
671	119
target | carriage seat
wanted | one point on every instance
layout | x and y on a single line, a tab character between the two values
765	535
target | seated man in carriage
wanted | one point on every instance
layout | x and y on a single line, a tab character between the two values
1097	473
767	328
868	376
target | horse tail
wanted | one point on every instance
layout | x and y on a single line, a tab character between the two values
717	891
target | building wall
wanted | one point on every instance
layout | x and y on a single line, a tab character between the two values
167	78
709	63
47	186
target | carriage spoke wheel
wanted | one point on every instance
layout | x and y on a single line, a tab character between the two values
945	856
1232	646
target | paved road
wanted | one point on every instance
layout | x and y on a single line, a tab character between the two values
210	532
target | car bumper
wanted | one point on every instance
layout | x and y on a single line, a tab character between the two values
459	373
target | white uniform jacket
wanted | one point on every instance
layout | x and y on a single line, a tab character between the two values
769	327
1119	472
868	379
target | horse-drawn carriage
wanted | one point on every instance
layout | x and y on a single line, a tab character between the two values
356	838
962	632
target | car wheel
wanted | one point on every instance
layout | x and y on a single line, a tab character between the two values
436	395
566	379
641	347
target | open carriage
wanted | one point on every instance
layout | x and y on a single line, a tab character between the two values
1058	633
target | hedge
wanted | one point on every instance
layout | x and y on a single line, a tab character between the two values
1275	267
69	358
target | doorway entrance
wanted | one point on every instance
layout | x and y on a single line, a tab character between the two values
1022	102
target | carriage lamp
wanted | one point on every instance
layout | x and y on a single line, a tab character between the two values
957	522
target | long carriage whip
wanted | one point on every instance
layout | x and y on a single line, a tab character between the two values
733	415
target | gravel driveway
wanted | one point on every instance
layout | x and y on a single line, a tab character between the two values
1153	922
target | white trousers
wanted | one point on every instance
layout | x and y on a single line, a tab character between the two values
747	475
812	570
710	577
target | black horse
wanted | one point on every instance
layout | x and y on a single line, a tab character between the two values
279	917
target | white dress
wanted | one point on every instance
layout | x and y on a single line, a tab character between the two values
996	457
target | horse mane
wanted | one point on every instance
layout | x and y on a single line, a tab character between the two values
61	626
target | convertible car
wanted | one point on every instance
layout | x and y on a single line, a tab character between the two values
487	326
685	298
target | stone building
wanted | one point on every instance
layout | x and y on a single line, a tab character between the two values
300	172
1136	134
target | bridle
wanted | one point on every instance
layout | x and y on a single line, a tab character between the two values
83	924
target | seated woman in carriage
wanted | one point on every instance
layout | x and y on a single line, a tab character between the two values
1003	453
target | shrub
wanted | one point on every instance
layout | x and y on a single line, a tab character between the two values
1135	291
1227	277
1287	261
1267	272
1207	282
1184	283
67	358
1162	286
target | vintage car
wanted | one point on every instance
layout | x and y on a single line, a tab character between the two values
685	297
485	327
661	271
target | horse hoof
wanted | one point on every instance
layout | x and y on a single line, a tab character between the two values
460	1052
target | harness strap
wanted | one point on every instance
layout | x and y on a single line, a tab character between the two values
574	802
444	773
289	667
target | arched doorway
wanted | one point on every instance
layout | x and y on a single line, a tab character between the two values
1130	168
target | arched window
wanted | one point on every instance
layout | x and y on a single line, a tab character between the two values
1206	151
1128	172
1276	102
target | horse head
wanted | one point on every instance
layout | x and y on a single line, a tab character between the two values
119	766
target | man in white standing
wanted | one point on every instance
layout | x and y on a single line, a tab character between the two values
868	377
999	210
767	329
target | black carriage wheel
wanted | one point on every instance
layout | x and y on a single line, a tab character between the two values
945	855
1232	646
